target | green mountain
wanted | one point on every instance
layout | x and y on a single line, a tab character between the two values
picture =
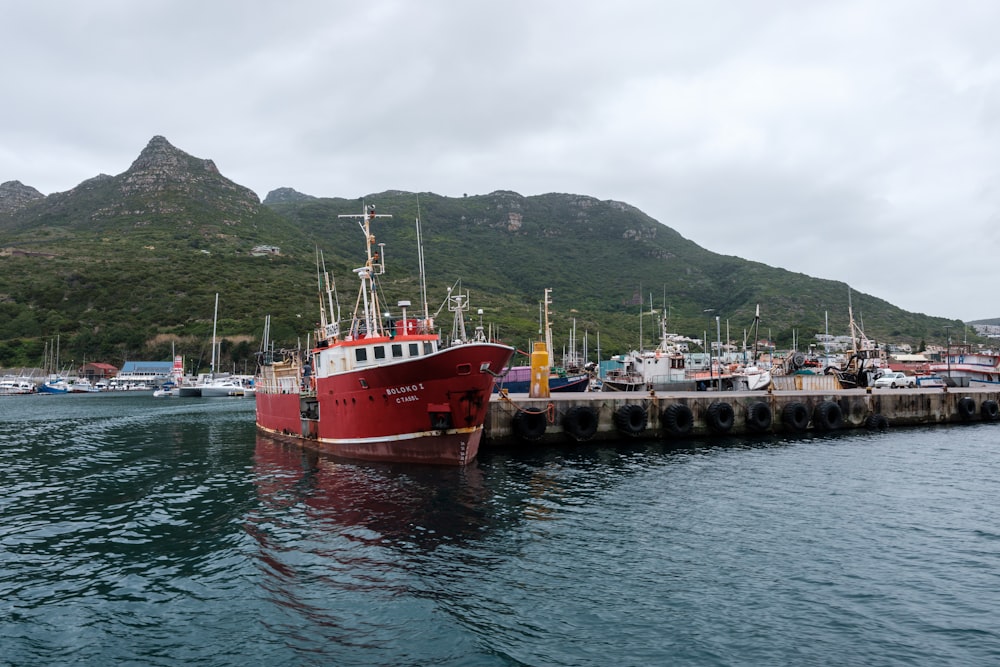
126	267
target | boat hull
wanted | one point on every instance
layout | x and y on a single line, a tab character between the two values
424	410
610	384
208	391
17	387
442	448
514	384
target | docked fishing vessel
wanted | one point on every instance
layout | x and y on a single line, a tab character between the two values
965	367
662	368
517	380
866	359
383	388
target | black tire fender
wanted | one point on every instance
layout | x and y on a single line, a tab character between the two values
529	425
631	419
677	419
759	417
990	410
580	423
966	408
795	417
720	417
828	416
877	422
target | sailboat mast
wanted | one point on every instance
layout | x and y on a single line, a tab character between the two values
756	332
215	321
548	328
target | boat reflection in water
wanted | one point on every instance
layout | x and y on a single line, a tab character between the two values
377	504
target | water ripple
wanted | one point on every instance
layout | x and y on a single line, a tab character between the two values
150	532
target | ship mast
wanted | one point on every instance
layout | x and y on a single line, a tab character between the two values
366	319
423	275
458	303
329	324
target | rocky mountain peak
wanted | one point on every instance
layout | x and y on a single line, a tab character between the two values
160	164
15	195
162	168
281	195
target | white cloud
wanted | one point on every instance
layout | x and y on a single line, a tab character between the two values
813	136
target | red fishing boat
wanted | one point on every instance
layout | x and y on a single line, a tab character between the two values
384	389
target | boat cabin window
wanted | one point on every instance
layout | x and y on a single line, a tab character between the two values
361	355
380	351
428	348
414	349
397	350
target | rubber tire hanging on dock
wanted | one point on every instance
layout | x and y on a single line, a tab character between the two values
795	417
990	410
631	419
677	419
828	416
580	423
966	408
720	417
758	417
877	422
529	424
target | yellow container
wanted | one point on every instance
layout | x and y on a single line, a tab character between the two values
539	372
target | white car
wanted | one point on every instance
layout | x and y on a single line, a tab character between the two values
896	379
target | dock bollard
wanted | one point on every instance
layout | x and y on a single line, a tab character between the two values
539	371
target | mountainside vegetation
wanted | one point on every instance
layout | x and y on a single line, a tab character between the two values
126	267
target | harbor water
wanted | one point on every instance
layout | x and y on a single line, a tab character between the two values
142	531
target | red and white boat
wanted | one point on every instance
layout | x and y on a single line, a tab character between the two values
966	367
383	389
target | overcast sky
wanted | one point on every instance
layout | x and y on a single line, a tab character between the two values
855	140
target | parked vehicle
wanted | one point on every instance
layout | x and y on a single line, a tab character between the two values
896	379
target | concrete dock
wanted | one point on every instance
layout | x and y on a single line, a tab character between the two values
580	417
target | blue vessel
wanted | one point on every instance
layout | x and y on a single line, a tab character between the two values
517	380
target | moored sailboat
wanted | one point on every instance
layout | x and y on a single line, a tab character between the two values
753	375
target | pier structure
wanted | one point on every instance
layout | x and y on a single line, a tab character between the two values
580	417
